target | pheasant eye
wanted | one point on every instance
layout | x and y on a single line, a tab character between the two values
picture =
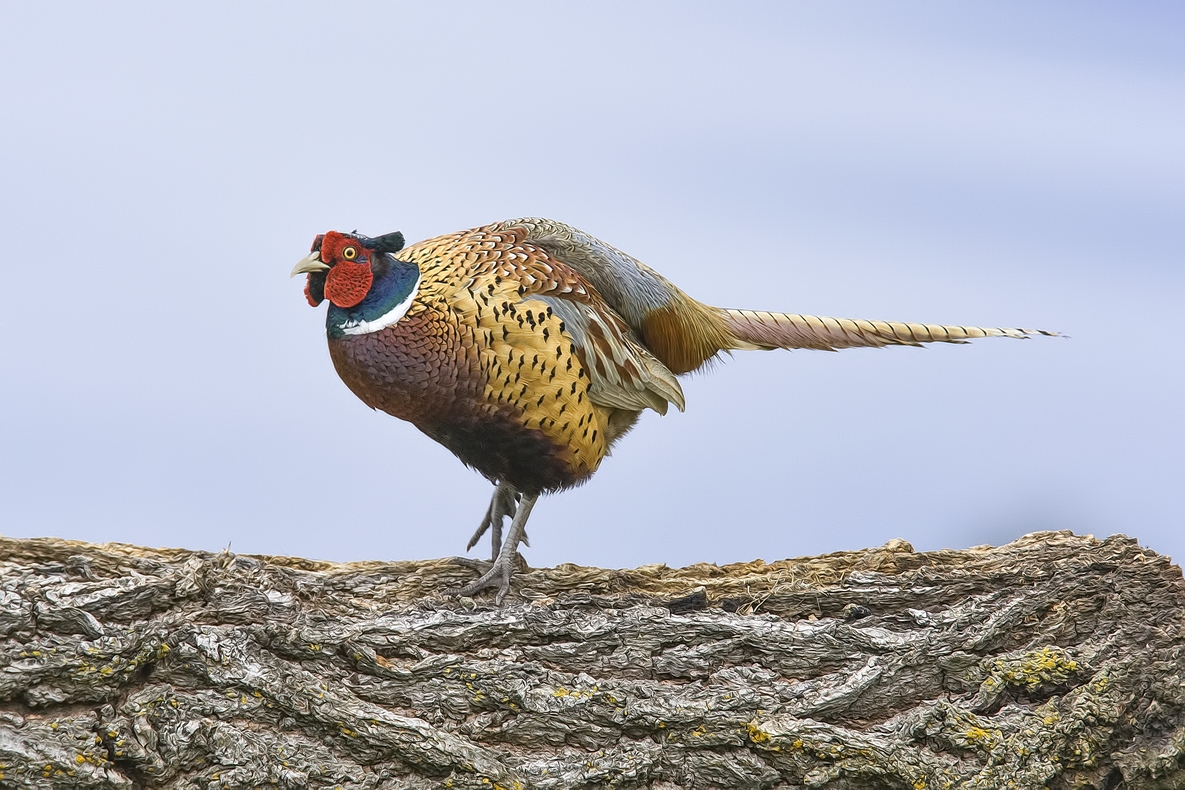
350	253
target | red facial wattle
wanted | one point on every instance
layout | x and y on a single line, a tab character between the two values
347	283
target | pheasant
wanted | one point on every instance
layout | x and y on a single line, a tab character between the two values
528	348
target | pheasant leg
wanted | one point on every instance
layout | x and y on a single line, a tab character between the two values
503	503
503	568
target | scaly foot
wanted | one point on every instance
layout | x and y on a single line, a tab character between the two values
497	576
503	567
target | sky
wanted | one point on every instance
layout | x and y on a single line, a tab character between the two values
163	167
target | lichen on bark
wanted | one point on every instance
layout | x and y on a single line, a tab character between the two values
1054	661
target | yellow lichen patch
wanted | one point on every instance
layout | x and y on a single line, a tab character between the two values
756	734
1049	665
573	693
978	735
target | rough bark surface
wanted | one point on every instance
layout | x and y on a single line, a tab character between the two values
1055	661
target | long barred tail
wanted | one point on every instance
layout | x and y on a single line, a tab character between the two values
756	329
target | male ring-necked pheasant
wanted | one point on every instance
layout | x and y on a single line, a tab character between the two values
528	347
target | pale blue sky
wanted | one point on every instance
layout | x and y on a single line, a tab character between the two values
1010	164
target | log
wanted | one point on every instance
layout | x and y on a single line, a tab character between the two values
1055	661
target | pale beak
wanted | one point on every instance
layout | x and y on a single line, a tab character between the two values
310	263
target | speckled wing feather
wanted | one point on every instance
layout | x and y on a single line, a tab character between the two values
678	331
762	330
624	374
626	284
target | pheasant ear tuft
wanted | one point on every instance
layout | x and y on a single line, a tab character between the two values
388	242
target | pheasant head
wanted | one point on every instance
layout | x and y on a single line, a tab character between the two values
367	288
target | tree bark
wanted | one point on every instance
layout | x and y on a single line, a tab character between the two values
1055	661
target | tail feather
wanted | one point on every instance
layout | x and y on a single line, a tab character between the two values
754	329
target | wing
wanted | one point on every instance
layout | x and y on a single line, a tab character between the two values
680	332
511	275
626	284
624	375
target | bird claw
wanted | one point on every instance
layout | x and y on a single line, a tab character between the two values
498	576
485	525
481	566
